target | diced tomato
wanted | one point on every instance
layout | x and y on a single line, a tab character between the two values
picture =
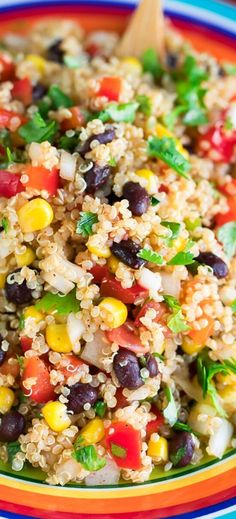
127	337
161	310
26	343
11	120
229	188
73	364
230	216
124	444
42	178
42	390
219	140
199	337
163	189
99	272
7	68
10	184
110	87
93	50
154	425
22	90
76	120
121	399
111	287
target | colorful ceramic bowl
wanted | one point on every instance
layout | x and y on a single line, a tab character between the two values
204	491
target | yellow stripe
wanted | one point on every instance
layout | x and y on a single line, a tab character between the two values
152	488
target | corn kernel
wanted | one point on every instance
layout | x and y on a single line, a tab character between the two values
31	311
158	448
132	64
55	414
190	347
162	131
228	395
35	215
7	398
114	312
113	264
26	258
179	244
226	380
100	252
58	339
2	280
150	178
93	432
37	61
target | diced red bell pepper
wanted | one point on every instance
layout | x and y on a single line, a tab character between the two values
42	178
154	425
6	121
22	90
42	390
7	68
230	216
219	140
76	120
93	50
110	87
161	310
124	444
111	287
72	366
26	343
10	184
99	272
229	188
126	337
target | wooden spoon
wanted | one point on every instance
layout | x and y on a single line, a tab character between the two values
145	30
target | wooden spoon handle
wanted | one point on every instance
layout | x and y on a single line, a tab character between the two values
145	30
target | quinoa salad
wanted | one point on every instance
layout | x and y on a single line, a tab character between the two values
117	256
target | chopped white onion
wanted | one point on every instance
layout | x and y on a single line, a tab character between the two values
220	437
108	475
67	165
170	284
75	328
7	247
58	282
93	351
150	280
60	265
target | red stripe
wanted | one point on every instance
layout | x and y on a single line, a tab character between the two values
205	31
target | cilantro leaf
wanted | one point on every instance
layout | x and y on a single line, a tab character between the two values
60	304
58	98
170	412
68	143
154	201
145	104
171	117
150	255
12	449
100	408
176	457
20	360
174	228
194	73
175	322
21	322
151	63
38	130
118	451
227	236
85	223
124	112
184	257
172	302
112	162
5	224
165	149
180	426
233	306
88	458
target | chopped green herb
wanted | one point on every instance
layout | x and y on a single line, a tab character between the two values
68	143
229	68
191	225
151	63
58	98
180	426
174	228
170	412
75	61
100	408
228	125
124	112
145	104
21	322
112	162
227	236
20	361
60	304
184	257
150	255
171	117
175	322
38	130
12	449
154	201
5	224
165	149
176	457
85	223
22	397
159	356
118	451
193	72
233	306
44	105
5	138
88	458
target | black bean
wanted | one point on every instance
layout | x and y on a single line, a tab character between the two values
113	198
126	251
12	425
151	365
96	177
172	60
17	293
181	449
39	90
81	394
219	267
137	197
102	138
127	369
55	53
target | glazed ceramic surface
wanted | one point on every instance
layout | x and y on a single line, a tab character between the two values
204	491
